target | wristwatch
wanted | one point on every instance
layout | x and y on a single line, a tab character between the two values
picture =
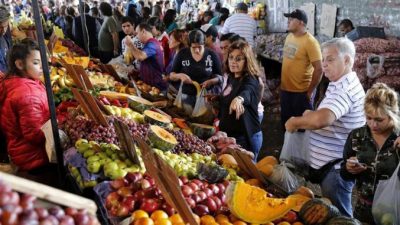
240	98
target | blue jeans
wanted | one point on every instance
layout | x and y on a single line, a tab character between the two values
338	191
255	143
260	117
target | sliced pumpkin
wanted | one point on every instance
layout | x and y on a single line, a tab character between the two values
156	118
251	204
161	139
202	130
139	104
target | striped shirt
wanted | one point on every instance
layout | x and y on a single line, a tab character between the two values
243	25
345	98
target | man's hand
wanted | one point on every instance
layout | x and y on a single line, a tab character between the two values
129	42
290	125
353	166
185	78
306	112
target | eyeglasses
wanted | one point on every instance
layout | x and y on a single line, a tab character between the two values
236	59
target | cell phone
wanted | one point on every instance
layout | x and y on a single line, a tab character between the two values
353	161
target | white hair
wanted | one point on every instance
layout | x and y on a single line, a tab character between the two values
344	47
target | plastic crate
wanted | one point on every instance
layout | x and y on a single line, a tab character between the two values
364	32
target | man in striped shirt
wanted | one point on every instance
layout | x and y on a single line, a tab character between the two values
340	111
242	24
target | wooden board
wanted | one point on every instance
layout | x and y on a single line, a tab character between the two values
48	193
80	71
78	80
90	106
166	180
126	141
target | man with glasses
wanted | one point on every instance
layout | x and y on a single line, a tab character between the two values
5	38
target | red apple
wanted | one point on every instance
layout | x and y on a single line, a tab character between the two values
125	191
210	203
208	192
217	201
186	190
9	217
202	195
122	211
221	187
168	209
129	202
190	202
139	196
184	179
150	192
112	199
201	210
81	218
118	183
133	177
194	186
290	217
196	198
149	205
214	188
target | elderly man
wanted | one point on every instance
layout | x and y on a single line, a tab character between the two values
5	38
340	111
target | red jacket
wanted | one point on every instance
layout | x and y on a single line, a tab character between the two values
23	110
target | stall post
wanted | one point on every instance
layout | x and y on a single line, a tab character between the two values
49	91
84	27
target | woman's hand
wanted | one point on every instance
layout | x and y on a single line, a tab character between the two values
353	166
237	106
209	83
396	143
185	78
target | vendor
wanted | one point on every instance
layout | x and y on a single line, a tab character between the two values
345	26
239	100
24	109
150	57
369	151
5	38
196	63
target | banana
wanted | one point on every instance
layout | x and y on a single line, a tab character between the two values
55	77
68	82
61	82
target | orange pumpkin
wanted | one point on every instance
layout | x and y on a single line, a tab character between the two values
266	165
228	160
254	182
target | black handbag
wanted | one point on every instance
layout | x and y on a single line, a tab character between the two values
316	176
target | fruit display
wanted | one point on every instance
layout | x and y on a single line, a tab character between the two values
23	209
188	143
137	191
125	113
317	211
252	205
156	118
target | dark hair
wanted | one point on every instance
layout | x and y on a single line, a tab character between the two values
237	37
95	10
224	11
128	19
223	18
169	17
117	14
145	26
71	11
105	9
218	7
86	8
208	13
157	23
180	35
346	23
20	51
157	11
146	11
227	36
141	3
251	67
196	37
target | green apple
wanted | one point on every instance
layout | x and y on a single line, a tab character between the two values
114	156
80	142
102	155
109	152
89	184
132	169
94	167
110	166
122	155
125	112
114	147
121	164
83	147
117	111
93	158
119	173
104	146
128	162
88	153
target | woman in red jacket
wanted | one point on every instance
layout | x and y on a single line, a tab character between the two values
24	108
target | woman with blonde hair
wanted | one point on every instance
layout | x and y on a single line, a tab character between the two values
239	99
370	152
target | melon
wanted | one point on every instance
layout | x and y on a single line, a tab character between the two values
305	191
251	204
139	104
342	220
202	131
317	212
161	139
156	118
112	95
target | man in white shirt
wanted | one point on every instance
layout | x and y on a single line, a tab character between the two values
340	112
242	24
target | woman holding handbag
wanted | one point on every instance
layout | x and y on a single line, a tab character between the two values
238	102
370	152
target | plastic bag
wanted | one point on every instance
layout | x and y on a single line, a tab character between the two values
386	204
178	99
202	112
296	151
375	66
284	178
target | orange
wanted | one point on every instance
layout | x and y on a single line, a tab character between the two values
239	222
162	221
176	219
144	221
225	222
139	214
159	214
207	220
221	218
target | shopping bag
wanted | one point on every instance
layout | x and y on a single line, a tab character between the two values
202	112
386	203
284	178
178	98
296	150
